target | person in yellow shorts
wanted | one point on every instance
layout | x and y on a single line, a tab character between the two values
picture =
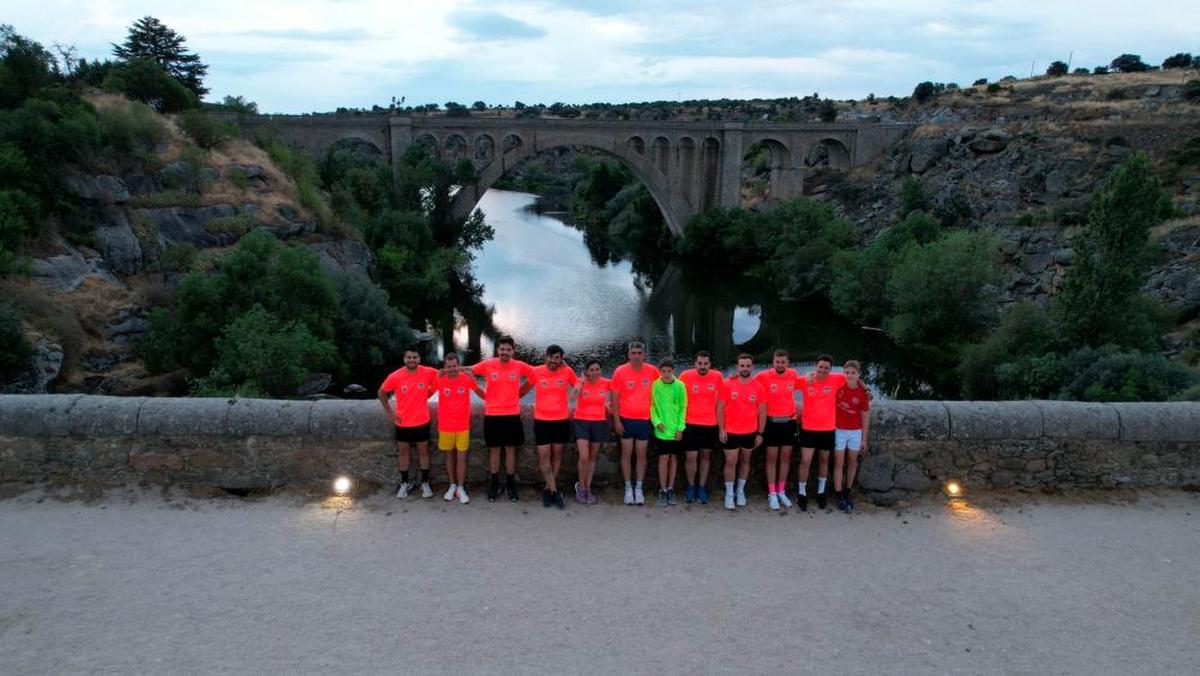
454	390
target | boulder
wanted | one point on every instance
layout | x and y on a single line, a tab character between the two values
315	383
926	152
66	271
993	141
98	189
910	478
187	225
875	472
344	255
117	244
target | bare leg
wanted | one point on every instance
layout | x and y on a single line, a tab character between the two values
731	461
772	460
823	471
460	466
626	459
689	467
705	461
672	469
494	459
806	456
423	454
510	459
451	467
664	466
402	456
785	464
556	458
639	448
851	469
545	465
743	468
839	458
597	446
581	466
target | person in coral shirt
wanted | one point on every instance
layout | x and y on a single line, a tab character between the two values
502	426
591	428
818	420
631	399
700	434
454	390
741	416
410	387
551	383
780	436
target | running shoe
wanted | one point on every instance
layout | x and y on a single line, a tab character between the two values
850	501
580	494
689	494
405	488
671	497
494	488
741	498
629	495
560	500
510	487
783	500
773	502
802	502
463	498
702	494
662	498
639	497
450	493
547	497
729	500
841	503
821	503
591	498
426	490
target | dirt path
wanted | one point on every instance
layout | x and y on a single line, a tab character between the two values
136	583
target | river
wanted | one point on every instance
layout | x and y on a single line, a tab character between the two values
543	287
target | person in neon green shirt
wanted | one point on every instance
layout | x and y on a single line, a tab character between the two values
668	405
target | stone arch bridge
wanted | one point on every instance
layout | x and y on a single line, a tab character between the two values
688	167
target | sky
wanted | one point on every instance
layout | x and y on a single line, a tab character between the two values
293	56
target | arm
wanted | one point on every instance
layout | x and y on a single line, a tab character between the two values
762	424
866	422
656	414
721	421
387	405
613	408
525	387
681	422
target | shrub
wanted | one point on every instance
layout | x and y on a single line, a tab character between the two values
994	87
143	80
1191	90
1081	71
259	352
1100	70
1025	331
1056	69
1107	374
130	128
980	81
912	197
15	350
166	198
207	132
239	104
370	331
924	91
1129	63
1180	60
230	225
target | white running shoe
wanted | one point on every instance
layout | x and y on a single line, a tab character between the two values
629	495
405	488
463	498
741	498
729	501
773	502
450	493
639	498
426	490
783	500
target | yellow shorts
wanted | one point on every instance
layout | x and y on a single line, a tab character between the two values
449	441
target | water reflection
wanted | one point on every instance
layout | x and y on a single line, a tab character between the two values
541	284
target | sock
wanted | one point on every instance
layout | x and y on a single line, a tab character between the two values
728	488
453	487
425	475
628	485
404	476
770	488
821	484
741	485
781	488
495	479
802	488
638	485
511	478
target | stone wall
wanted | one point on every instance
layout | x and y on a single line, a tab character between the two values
251	443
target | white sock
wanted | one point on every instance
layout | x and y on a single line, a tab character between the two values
728	488
453	487
820	484
639	485
628	485
802	488
741	486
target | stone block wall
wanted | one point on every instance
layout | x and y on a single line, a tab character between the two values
250	444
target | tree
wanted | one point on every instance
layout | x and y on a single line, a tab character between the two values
144	80
924	92
1056	69
828	111
479	105
150	39
239	104
25	67
1082	71
455	109
14	348
1101	302
1129	63
1180	60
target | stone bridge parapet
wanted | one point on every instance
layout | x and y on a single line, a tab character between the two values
255	443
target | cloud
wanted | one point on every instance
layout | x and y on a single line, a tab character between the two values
486	26
304	35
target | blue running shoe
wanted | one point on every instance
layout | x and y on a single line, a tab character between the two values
689	494
702	495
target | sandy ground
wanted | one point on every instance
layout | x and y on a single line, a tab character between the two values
139	582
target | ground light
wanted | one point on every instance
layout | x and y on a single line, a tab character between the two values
342	485
953	489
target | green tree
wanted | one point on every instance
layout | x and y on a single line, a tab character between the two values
1180	60
1025	332
149	38
25	68
14	348
1129	63
1057	69
1101	302
912	197
260	354
239	104
144	80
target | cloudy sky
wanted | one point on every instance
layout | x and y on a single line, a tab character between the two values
297	56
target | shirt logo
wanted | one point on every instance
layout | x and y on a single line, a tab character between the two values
733	395
559	382
753	398
420	386
447	391
512	376
630	384
545	382
695	388
711	387
462	390
774	387
495	376
404	389
645	382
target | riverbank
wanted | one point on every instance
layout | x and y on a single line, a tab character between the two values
144	581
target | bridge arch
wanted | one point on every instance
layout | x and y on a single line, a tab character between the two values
484	149
640	166
430	143
828	152
358	145
660	151
636	144
455	148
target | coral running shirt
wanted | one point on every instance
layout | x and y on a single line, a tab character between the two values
781	391
742	400
550	392
412	390
454	402
702	391
502	396
820	402
851	404
589	405
633	389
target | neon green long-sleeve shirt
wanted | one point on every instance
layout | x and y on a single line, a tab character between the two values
668	405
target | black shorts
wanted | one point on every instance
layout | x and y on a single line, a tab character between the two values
780	433
696	437
412	435
503	430
821	441
667	446
738	441
552	431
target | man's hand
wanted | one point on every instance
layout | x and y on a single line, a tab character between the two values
758	439
723	436
661	427
619	428
679	435
863	451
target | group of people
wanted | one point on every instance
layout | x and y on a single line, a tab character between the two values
681	417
